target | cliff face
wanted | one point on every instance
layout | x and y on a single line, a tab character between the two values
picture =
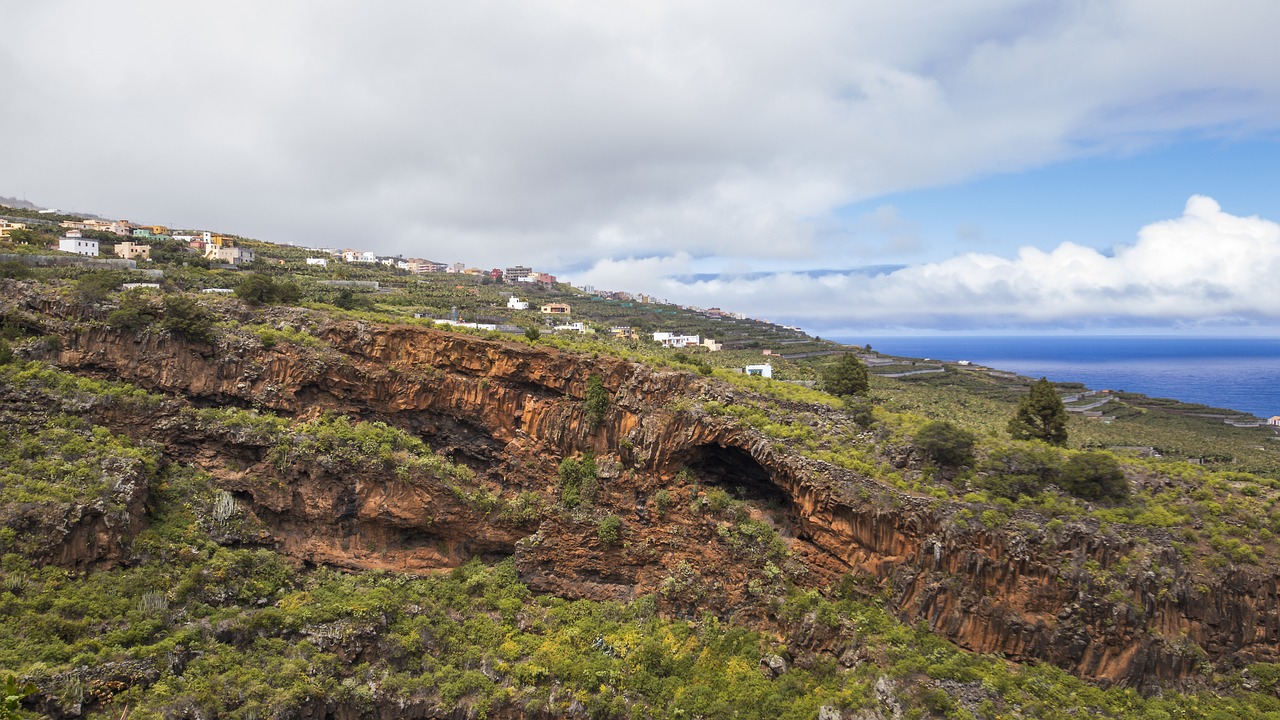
511	412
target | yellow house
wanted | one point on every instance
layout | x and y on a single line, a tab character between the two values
7	227
132	251
555	309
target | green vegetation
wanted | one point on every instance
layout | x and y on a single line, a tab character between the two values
578	481
609	530
945	443
1094	476
846	377
203	617
1041	416
257	289
596	403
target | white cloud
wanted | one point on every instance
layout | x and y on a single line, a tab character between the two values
559	132
1205	267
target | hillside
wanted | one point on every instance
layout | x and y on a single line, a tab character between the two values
320	505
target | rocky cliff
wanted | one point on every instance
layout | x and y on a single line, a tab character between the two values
512	412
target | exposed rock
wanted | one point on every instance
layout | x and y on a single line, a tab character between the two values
511	411
773	666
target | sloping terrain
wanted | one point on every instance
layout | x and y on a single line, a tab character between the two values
291	441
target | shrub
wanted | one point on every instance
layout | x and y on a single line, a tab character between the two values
609	531
717	499
578	481
184	316
14	269
662	501
596	402
1023	469
945	444
258	289
1094	476
96	286
860	410
135	312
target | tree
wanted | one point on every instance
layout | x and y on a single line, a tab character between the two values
23	236
945	443
846	377
1041	416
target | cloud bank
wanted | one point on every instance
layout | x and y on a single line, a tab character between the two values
556	133
1205	268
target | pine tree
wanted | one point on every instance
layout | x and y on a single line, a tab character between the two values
1041	416
846	377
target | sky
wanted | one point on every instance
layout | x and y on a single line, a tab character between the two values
915	166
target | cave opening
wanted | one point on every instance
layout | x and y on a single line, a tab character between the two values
738	473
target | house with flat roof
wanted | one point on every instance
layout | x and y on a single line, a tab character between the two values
674	340
233	255
79	246
132	251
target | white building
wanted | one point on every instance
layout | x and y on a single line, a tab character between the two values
80	246
1275	420
580	327
765	370
515	303
322	262
673	340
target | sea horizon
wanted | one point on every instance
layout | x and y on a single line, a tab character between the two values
1240	373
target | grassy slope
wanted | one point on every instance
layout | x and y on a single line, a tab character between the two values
268	628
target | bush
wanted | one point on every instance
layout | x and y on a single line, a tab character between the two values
1094	476
661	501
945	444
184	316
578	481
596	402
135	312
1023	469
96	286
860	410
348	300
258	289
14	269
609	531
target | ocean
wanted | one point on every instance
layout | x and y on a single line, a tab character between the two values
1236	373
